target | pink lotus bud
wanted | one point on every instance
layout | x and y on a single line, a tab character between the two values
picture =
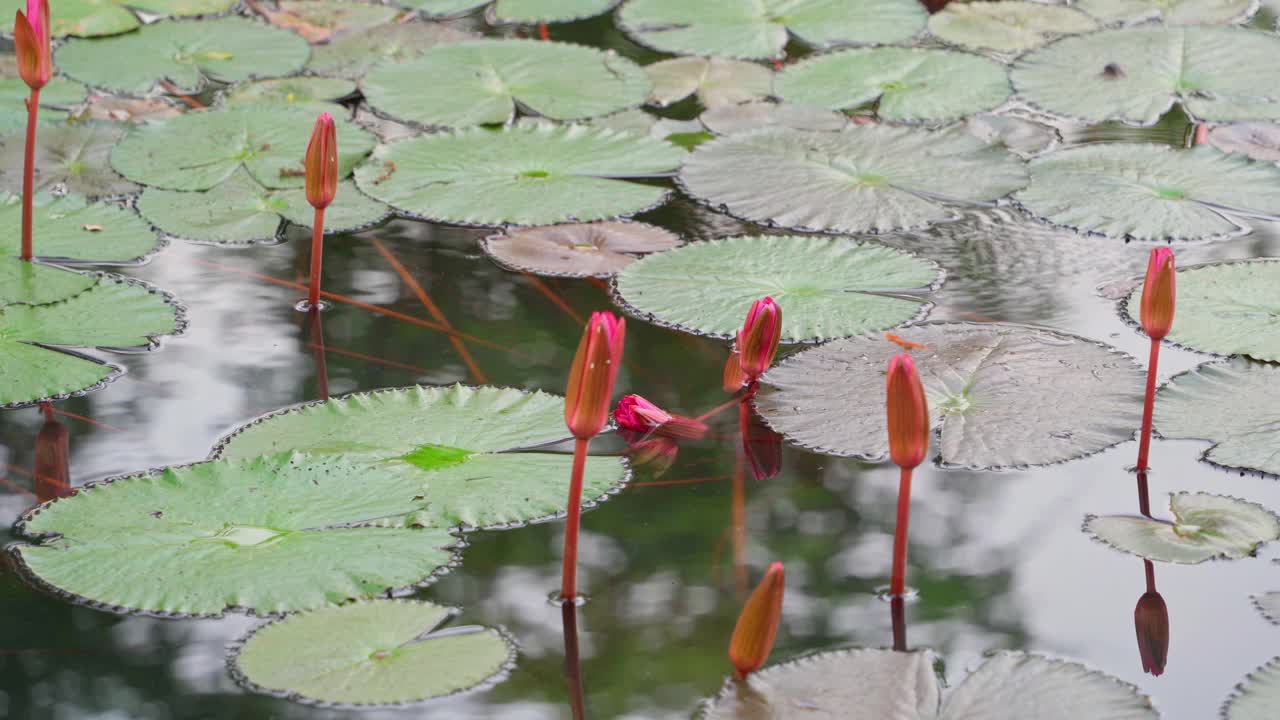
32	44
1151	618
908	413
638	415
586	406
758	338
322	163
757	626
1158	294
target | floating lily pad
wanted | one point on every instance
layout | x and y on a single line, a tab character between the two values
715	81
55	98
707	287
380	652
580	250
865	178
485	81
517	11
907	84
320	20
1010	26
1150	192
306	91
71	156
227	50
1135	75
1258	140
730	119
526	175
1235	405
69	228
196	151
761	28
90	18
1025	138
1170	12
351	55
1258	697
1205	527
1269	605
980	380
461	443
114	108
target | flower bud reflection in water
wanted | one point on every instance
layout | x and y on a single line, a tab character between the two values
761	446
654	453
757	626
1151	619
52	471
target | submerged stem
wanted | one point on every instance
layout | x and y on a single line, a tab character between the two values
1148	406
317	257
898	585
569	570
28	172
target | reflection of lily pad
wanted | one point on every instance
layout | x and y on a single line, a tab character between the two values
517	11
196	151
907	84
730	119
707	287
1170	12
228	50
290	91
864	178
351	55
1235	405
70	228
980	380
580	250
715	81
89	18
761	28
1150	192
527	175
1010	26
1205	527
72	156
1258	697
1269	605
484	81
380	652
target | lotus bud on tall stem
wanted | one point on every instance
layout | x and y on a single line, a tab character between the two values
908	424
321	164
758	338
1158	300
757	626
586	410
31	45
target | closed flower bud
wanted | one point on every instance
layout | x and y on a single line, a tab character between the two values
1158	294
757	626
908	413
758	338
586	406
322	163
31	44
1151	618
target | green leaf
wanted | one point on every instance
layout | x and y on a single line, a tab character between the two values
55	98
1150	192
444	8
760	28
707	287
352	55
483	82
1170	12
462	441
1000	395
1135	75
33	283
319	21
197	151
1258	697
1024	138
1257	140
69	228
715	81
908	84
1205	527
311	92
88	18
526	175
864	178
1011	26
730	119
185	53
551	11
580	250
380	652
1235	405
1269	605
71	156
1021	685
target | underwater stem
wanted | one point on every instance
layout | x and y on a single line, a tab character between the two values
569	571
1148	406
28	172
317	256
898	585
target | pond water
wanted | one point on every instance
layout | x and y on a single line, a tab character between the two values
998	558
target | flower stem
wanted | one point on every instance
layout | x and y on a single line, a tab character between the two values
28	171
569	571
1148	406
898	616
544	33
898	585
1150	569
317	257
572	661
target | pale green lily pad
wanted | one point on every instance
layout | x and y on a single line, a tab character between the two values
1205	527
1135	75
599	249
73	157
979	379
1025	138
91	18
1258	697
365	654
526	175
69	228
485	81
751	29
351	55
865	178
517	11
34	283
1010	26
1150	192
1269	605
197	151
706	288
1228	308
1170	12
1257	140
185	53
907	84
1235	405
730	119
715	81
55	98
310	92
320	20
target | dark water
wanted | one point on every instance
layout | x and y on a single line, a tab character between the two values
999	558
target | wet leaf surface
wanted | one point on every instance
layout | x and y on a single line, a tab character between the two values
579	250
1170	12
1010	26
1235	405
716	82
352	54
71	228
74	157
730	119
1204	527
320	20
90	18
311	92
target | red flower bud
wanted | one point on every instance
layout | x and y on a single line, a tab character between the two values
1151	618
638	415
586	406
758	338
1158	294
757	626
31	44
908	413
322	163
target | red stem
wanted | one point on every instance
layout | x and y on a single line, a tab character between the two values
569	571
1148	405
318	352
898	616
1144	494
317	257
898	585
1151	575
543	32
28	172
573	662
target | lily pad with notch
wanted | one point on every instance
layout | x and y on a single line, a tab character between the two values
1258	697
1007	26
369	654
516	11
1205	527
980	380
865	178
93	18
313	92
70	157
351	55
706	288
56	97
716	82
1234	404
69	229
1170	12
730	119
600	249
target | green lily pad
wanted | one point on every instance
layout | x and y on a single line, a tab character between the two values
71	156
980	379
304	91
55	98
1257	140
1170	12
1269	605
485	81
526	175
1258	697
69	228
1235	405
517	11
1150	192
380	652
241	211
730	119
91	18
1225	308
1205	527
34	283
598	249
1135	75
752	29
1025	138
715	81
706	288
228	49
1010	26
907	84
865	178
197	151
320	20
462	442
351	55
